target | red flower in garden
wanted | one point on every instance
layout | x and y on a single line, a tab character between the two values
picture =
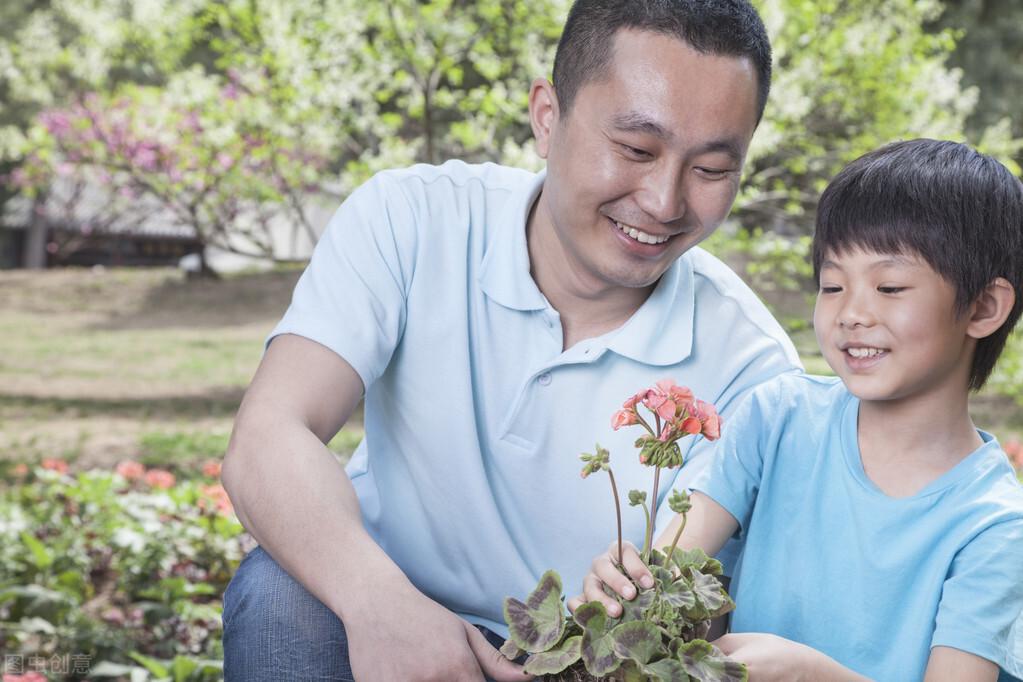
211	468
218	496
159	478
54	464
1014	449
130	470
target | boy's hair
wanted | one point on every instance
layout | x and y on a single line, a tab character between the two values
957	209
718	27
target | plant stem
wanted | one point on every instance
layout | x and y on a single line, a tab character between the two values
618	513
650	520
674	543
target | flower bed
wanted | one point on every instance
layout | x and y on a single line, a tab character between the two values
114	574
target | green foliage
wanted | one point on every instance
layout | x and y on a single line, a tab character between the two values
659	635
112	569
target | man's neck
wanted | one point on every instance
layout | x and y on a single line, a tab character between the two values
907	444
587	305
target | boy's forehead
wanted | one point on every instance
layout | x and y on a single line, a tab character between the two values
866	256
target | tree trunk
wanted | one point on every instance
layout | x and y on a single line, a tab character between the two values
33	254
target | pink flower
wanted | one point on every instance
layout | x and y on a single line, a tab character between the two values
631	402
159	478
665	433
691	425
27	677
1014	449
54	464
19	470
666	397
130	470
211	468
709	418
623	418
218	496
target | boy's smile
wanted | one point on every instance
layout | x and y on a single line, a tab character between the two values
888	326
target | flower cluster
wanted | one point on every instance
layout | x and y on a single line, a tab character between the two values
677	413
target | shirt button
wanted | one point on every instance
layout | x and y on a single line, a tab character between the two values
544	379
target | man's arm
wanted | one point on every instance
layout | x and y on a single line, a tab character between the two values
293	496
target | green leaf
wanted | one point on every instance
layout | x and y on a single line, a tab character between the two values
40	555
705	662
679	594
511	650
667	670
635	609
182	667
557	659
639	641
597	645
709	591
157	668
689	558
537	624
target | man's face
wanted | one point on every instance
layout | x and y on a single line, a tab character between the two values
646	163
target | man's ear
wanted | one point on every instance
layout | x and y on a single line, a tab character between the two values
543	114
988	312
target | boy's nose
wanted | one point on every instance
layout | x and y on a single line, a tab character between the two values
853	314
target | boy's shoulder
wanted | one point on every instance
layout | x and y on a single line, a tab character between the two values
799	390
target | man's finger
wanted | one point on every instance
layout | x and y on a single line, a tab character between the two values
493	663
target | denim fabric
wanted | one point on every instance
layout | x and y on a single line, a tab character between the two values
275	630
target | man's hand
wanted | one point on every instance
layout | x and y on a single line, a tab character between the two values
605	571
770	658
410	637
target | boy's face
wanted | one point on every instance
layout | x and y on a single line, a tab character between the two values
888	326
647	161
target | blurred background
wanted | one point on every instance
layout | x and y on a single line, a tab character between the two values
167	167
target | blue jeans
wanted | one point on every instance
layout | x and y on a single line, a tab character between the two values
274	629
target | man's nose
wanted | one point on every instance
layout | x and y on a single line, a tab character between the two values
663	196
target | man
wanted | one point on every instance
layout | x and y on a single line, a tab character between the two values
495	319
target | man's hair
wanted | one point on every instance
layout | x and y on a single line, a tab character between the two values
957	209
718	27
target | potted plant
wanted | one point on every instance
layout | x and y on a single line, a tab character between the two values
660	634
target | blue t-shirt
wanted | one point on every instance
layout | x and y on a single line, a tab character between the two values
831	561
475	415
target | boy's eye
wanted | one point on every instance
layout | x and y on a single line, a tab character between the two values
890	290
830	289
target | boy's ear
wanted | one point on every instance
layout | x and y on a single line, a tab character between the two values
992	307
543	114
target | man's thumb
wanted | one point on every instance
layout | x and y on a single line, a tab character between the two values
493	663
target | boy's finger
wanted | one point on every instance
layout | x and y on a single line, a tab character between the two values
593	591
637	570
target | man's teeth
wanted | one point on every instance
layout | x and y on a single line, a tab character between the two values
864	352
639	235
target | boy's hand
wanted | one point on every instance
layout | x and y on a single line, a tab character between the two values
605	571
769	658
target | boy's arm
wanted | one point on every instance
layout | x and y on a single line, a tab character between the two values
952	665
708	526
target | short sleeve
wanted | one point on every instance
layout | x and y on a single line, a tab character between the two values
351	297
982	597
732	476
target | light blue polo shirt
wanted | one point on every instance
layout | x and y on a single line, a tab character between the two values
833	562
468	476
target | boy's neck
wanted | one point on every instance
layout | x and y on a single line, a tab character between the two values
906	445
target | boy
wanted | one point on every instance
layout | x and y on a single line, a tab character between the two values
882	532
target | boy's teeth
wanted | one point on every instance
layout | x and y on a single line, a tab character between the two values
639	235
864	352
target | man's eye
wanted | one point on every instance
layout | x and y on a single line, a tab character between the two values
636	151
713	173
830	290
891	290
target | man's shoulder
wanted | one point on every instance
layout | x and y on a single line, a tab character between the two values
457	174
722	294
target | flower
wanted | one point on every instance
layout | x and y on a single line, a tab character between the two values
691	425
130	470
54	464
19	470
666	398
1014	449
624	418
159	478
709	418
31	676
215	493
211	468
